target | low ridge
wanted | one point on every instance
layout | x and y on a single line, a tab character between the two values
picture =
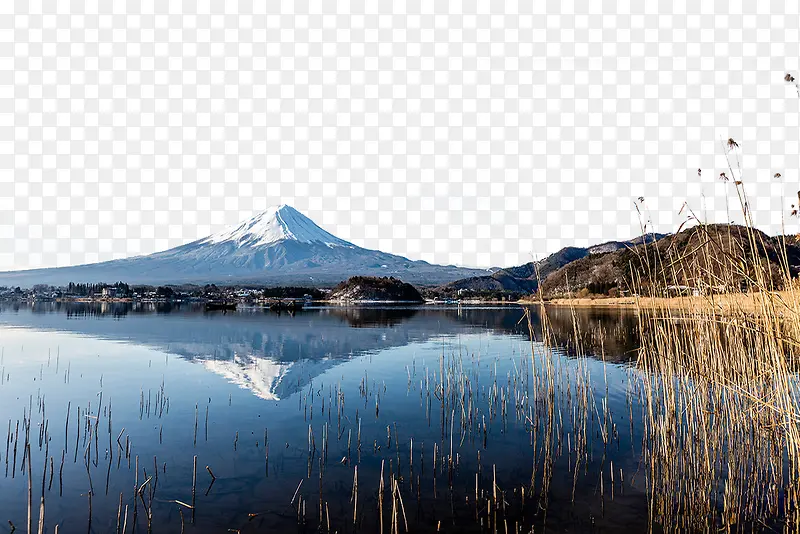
525	279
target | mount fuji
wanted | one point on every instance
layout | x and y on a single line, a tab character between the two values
279	246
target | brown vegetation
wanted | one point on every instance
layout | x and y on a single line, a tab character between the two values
702	259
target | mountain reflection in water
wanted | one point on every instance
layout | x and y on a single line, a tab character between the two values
275	355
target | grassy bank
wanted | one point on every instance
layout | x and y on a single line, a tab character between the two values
785	302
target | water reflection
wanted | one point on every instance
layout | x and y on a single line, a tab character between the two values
274	355
309	333
602	333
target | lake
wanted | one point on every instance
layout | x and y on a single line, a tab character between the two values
341	419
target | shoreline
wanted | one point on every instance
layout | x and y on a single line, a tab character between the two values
785	301
267	303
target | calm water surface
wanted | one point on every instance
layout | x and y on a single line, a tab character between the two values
107	386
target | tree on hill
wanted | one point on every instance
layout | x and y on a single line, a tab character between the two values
376	288
165	292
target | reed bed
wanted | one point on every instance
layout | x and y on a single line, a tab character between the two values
719	393
717	381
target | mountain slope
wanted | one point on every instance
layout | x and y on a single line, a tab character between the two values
277	246
525	278
683	259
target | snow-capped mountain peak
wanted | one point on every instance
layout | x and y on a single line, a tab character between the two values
279	246
275	224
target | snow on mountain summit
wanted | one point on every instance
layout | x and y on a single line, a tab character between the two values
273	225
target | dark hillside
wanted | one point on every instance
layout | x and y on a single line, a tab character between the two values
694	259
371	288
524	279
